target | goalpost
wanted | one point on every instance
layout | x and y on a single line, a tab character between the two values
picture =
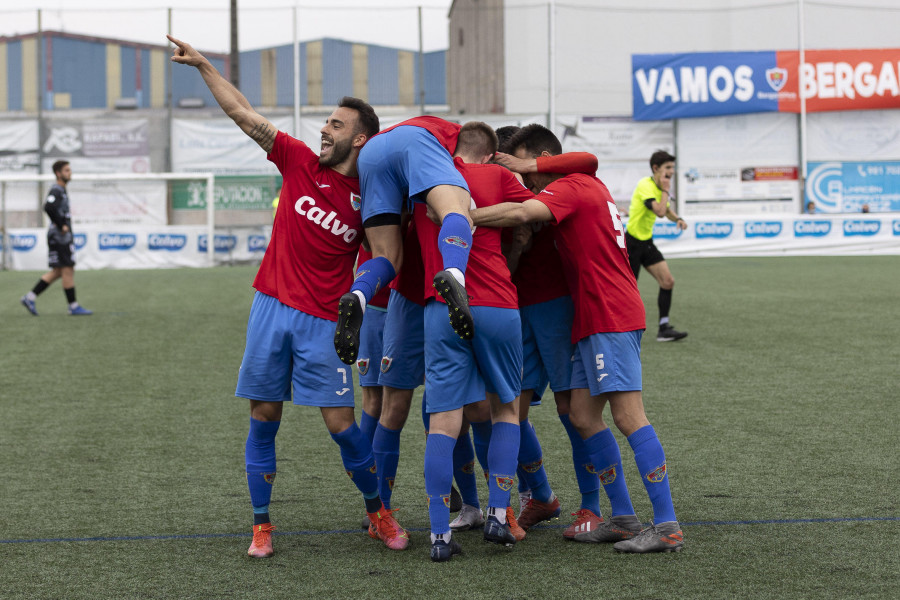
6	181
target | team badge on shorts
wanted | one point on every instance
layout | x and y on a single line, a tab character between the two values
355	201
363	366
456	241
386	364
608	475
504	483
657	474
533	467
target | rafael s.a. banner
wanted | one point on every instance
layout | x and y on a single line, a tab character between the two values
703	84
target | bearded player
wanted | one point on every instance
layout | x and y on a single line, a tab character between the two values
306	267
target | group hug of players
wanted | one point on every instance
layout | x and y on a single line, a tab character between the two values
484	330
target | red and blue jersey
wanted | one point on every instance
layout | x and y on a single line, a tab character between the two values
488	281
308	264
447	133
591	242
410	281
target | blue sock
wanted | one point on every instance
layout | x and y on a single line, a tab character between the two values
520	474
481	436
464	470
367	424
356	455
585	474
531	459
386	448
502	454
605	456
651	464
373	275
438	480
259	458
455	241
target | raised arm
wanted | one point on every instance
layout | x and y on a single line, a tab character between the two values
229	97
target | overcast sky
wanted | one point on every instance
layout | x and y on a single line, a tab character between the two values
262	23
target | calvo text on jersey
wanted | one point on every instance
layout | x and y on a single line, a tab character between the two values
306	207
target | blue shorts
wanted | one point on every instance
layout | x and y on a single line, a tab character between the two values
290	351
399	164
459	372
370	346
539	390
547	347
608	362
403	357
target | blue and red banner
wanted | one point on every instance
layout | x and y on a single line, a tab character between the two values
703	84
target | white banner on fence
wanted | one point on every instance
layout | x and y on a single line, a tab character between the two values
773	235
18	147
19	156
739	164
219	146
122	247
616	139
860	135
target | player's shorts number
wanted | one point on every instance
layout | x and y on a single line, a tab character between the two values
600	363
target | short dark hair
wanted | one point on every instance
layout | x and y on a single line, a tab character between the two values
536	139
476	138
660	157
58	166
503	135
368	120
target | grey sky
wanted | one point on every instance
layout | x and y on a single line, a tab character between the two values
263	23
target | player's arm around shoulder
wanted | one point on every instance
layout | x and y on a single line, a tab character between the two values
228	97
511	214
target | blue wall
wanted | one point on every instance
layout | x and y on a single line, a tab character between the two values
251	76
384	73
284	67
187	83
435	77
14	74
337	67
79	68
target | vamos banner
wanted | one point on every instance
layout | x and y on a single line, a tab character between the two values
702	84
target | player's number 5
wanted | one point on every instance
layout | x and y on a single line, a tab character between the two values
617	223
